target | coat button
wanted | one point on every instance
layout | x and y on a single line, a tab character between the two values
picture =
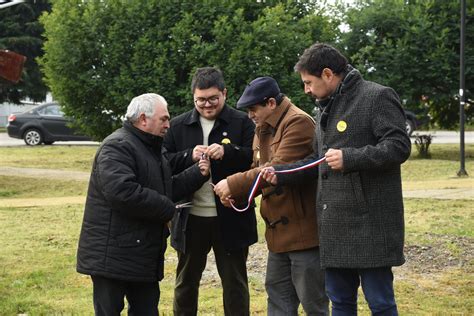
325	206
325	147
138	241
324	176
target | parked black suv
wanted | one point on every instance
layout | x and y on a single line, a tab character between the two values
45	123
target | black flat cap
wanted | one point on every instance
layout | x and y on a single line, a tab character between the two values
258	91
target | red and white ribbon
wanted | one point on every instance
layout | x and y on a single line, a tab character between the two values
258	179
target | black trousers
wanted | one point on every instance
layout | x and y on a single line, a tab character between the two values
142	297
202	234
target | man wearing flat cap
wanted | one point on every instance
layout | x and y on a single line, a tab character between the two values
284	134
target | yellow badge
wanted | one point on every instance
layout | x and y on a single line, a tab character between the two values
225	141
341	126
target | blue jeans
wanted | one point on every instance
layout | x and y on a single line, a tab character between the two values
377	285
295	277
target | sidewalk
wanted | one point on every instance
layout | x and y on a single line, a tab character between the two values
442	194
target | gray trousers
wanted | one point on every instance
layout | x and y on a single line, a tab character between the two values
295	277
202	234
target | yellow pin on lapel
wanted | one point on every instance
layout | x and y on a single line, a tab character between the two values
225	141
341	126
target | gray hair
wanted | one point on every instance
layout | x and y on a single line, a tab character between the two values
145	103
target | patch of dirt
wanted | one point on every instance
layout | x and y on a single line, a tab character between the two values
440	252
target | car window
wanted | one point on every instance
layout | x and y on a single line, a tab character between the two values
51	110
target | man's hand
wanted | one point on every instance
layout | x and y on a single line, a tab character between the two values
215	151
268	174
226	202
198	151
204	166
334	159
222	189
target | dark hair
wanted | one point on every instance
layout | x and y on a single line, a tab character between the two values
320	56
208	77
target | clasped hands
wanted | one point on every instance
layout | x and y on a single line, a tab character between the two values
214	151
202	154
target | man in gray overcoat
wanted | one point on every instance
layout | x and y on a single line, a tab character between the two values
360	131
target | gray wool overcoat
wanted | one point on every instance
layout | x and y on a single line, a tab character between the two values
360	210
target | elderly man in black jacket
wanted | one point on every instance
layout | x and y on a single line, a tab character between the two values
225	136
361	132
129	202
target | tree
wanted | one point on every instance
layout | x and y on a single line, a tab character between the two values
100	54
21	32
413	46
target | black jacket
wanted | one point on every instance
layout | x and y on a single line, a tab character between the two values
128	203
235	131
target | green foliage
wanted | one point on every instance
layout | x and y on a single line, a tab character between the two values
21	32
413	46
100	54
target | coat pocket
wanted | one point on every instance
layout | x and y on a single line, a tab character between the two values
358	191
131	239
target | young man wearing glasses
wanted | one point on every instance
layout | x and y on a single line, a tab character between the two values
225	136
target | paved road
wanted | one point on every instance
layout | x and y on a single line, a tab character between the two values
446	137
439	137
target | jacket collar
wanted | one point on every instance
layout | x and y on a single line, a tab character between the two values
224	115
148	139
275	118
351	77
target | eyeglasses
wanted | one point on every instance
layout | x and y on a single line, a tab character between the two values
214	100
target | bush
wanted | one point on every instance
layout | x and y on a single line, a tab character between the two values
422	143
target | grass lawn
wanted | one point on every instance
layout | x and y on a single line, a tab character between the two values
49	157
37	257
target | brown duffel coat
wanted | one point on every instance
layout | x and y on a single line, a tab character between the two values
289	212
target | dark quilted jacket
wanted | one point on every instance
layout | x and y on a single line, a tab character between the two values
129	202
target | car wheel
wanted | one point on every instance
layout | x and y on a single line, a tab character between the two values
410	126
48	143
32	137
